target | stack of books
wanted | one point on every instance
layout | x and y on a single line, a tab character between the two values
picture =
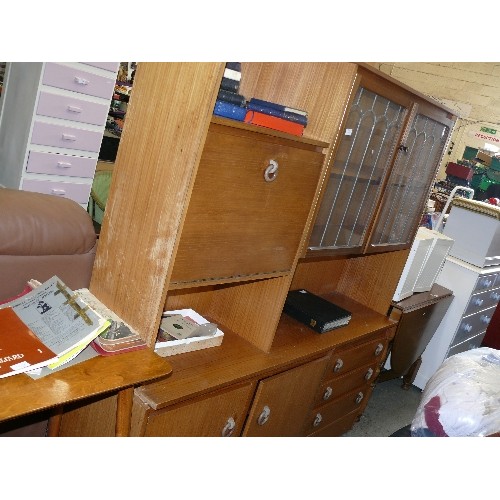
276	116
230	103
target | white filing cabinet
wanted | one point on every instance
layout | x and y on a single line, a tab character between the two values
53	121
477	292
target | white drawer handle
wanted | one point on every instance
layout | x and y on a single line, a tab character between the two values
271	171
466	327
485	319
359	398
81	81
379	349
69	137
264	416
369	374
317	419
63	164
486	283
328	393
74	109
478	302
228	429
58	192
338	365
495	296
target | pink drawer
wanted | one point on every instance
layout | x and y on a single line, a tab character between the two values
57	164
64	77
77	192
110	66
68	108
61	136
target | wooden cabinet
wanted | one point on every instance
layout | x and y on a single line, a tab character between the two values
52	126
191	222
388	154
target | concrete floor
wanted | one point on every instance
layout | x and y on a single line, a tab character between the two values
390	408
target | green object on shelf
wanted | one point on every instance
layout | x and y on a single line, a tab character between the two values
469	153
495	164
99	195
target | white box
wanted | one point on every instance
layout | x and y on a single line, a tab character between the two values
434	261
475	227
173	347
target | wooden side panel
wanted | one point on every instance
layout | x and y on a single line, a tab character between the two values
167	121
318	276
372	279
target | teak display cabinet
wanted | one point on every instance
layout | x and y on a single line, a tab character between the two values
192	222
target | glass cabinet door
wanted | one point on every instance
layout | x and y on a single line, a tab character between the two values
371	134
409	182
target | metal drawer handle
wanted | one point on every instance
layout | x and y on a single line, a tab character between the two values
379	349
63	164
495	296
486	283
81	81
68	137
466	327
485	319
368	374
317	420
359	397
271	171
328	393
478	302
338	365
58	192
264	416
228	429
74	109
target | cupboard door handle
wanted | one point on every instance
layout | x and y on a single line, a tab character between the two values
368	374
317	420
359	397
74	109
69	137
58	192
63	164
271	171
264	416
228	429
81	81
338	365
328	393
379	349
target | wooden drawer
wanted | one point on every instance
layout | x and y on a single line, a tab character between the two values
338	427
482	300
69	108
354	401
237	222
337	386
61	136
74	191
84	82
472	325
59	164
349	359
222	414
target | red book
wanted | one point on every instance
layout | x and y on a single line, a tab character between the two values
20	349
263	120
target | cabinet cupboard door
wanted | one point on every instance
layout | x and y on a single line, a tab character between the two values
284	401
222	414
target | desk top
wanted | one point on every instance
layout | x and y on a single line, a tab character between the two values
20	394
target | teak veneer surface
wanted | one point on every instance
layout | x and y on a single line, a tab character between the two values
236	360
20	394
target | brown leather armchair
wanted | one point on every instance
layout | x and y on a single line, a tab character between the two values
41	236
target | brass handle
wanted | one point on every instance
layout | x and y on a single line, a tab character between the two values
328	393
228	429
264	416
368	374
359	398
379	349
271	171
338	365
317	420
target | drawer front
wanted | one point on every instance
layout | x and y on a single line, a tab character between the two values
344	361
469	344
65	77
68	108
110	66
58	164
338	427
331	389
472	325
77	192
486	282
47	134
237	222
322	416
482	300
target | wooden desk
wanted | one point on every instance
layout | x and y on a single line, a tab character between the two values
21	395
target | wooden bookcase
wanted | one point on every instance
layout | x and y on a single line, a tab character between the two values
191	223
